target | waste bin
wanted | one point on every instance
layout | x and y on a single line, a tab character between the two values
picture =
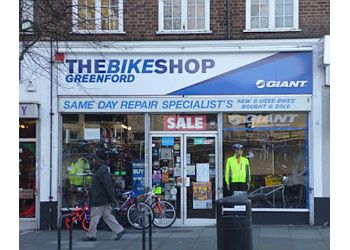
234	223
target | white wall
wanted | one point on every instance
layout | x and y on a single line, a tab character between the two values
326	140
315	127
36	68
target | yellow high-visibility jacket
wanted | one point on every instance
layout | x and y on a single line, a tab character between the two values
239	172
79	167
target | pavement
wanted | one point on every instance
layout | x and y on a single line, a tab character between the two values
265	237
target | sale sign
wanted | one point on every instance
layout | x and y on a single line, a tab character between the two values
185	122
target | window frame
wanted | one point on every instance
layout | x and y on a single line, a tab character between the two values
30	9
183	19
272	16
98	19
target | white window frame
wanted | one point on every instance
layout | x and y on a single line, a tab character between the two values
183	19
30	14
272	27
98	20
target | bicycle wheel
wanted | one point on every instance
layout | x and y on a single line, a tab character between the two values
67	221
137	215
85	224
164	214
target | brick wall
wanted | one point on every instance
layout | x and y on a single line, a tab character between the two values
141	23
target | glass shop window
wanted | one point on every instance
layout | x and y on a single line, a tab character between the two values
276	147
123	139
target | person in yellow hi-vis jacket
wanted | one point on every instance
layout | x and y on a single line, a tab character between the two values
237	172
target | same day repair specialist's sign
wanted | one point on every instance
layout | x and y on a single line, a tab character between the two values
113	74
186	104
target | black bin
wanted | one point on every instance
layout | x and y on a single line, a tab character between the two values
234	223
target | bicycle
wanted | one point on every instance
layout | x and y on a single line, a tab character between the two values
134	210
164	211
80	214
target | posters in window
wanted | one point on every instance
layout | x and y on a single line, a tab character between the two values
202	195
92	133
202	170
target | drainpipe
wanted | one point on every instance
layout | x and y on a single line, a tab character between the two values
228	19
51	117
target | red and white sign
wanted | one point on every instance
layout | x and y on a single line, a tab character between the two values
185	122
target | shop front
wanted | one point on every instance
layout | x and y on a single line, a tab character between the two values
169	122
28	200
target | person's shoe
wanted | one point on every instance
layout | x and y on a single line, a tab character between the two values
119	235
87	238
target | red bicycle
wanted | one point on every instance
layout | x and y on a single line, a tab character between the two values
80	215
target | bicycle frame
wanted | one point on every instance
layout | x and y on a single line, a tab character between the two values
150	197
80	212
127	203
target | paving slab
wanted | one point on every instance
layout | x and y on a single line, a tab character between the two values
182	238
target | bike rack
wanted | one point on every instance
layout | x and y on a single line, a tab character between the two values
149	234
70	230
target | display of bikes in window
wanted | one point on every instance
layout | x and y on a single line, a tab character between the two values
130	210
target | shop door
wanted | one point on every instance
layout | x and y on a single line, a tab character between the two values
27	186
184	168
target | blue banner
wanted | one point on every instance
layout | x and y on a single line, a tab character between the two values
282	73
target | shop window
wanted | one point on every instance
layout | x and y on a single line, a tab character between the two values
184	122
98	16
272	15
27	162
184	15
27	128
276	147
121	136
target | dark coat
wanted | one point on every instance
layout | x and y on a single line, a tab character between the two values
102	190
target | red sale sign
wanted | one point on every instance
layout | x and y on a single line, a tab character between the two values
185	122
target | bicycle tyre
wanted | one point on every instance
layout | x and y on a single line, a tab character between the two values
137	215
67	222
165	219
85	224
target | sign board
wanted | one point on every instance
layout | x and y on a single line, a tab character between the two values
168	141
273	120
138	177
28	110
92	134
249	103
112	74
25	194
184	122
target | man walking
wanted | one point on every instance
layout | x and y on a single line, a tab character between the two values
102	194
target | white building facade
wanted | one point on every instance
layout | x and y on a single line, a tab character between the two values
169	113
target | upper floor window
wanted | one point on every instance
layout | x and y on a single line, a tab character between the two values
184	15
98	16
272	15
26	15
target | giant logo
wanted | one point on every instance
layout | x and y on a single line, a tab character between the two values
280	84
262	120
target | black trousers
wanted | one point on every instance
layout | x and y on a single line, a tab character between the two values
237	186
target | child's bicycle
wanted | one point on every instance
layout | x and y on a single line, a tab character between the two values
79	215
164	211
135	211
